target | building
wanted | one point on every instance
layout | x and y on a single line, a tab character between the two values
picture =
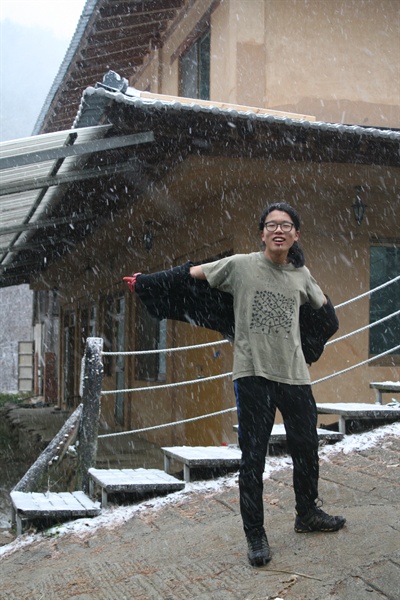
169	127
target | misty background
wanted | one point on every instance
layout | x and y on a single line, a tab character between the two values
29	61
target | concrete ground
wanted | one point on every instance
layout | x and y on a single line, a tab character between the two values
193	547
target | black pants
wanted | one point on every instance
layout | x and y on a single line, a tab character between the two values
257	399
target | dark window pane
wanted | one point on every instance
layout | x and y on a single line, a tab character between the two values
189	71
150	335
384	265
195	70
204	70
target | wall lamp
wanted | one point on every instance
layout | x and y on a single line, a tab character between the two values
359	206
148	240
148	235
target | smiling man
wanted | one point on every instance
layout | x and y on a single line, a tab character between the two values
270	370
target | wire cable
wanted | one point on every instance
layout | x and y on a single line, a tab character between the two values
220	412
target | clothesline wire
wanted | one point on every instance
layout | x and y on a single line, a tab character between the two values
220	412
379	287
347	335
223	375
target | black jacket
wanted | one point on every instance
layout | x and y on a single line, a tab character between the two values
174	294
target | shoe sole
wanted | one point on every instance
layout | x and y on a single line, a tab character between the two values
328	530
260	563
317	530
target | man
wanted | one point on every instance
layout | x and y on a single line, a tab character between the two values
270	370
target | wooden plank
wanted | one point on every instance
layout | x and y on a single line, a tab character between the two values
34	504
224	106
92	508
60	502
119	480
196	456
278	434
389	386
24	501
384	387
359	410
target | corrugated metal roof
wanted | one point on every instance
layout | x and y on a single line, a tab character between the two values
31	171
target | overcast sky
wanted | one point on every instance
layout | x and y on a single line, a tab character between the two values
58	16
34	38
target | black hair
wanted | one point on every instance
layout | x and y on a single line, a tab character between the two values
296	254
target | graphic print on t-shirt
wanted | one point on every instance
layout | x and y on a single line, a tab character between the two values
271	313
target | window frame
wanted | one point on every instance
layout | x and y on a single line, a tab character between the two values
150	334
201	47
388	294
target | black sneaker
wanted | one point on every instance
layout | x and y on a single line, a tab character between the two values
259	551
317	520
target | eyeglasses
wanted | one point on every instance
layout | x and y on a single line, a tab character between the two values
286	226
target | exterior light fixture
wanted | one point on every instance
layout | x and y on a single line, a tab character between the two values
150	230
148	240
359	206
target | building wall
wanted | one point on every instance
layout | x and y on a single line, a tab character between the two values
337	59
209	206
334	59
15	326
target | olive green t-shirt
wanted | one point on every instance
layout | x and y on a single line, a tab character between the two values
267	299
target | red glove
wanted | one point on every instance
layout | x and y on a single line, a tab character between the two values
131	281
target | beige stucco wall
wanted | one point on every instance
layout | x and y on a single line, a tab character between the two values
338	60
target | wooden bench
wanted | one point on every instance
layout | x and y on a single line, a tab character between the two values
383	387
201	456
353	410
32	505
278	435
131	480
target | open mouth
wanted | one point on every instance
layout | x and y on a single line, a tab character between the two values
279	240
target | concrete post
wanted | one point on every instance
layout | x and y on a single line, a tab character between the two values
89	423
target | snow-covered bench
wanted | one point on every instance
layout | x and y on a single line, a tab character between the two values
35	505
131	480
278	435
384	387
358	411
201	456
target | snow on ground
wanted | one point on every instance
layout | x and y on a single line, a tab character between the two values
115	516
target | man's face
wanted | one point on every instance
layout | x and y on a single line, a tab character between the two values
279	234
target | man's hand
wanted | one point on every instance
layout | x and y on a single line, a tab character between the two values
131	281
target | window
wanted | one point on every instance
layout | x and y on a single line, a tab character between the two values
108	333
119	361
88	325
195	69
151	334
69	322
384	265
